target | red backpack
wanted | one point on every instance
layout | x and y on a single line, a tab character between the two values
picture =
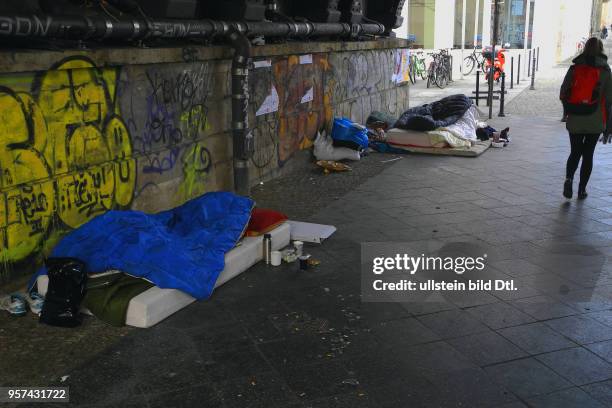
582	96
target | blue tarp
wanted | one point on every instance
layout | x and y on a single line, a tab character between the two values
183	248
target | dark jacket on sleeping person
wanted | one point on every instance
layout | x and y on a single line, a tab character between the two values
431	116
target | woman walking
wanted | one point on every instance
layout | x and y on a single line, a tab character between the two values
586	94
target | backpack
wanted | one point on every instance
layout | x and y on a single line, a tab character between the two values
582	95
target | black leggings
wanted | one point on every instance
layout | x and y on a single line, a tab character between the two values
582	146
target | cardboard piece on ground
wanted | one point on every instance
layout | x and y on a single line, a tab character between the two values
309	232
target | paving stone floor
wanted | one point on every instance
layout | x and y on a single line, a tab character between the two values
278	337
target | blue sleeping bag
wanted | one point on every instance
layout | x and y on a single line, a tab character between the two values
183	248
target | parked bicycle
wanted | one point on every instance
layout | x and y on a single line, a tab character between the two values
439	72
476	59
417	66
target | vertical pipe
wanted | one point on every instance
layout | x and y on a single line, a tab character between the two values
533	73
518	71
463	35
511	73
476	21
502	96
538	61
492	68
242	136
527	18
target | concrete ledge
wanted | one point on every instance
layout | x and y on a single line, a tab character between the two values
40	60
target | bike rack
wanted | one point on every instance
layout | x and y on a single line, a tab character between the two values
518	72
478	96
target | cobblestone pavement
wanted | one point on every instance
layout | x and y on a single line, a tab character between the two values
544	100
278	337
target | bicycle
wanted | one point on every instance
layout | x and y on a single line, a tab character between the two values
476	59
439	72
417	67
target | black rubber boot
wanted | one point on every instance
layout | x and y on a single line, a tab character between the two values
567	188
582	194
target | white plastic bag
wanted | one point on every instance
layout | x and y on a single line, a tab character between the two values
325	150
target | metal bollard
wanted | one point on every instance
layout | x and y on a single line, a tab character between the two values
538	61
502	96
529	65
533	73
478	88
511	73
518	72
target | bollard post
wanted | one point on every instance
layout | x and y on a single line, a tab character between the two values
511	73
502	96
518	72
538	61
533	73
478	88
529	65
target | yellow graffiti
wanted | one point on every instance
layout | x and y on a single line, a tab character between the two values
196	165
64	151
26	207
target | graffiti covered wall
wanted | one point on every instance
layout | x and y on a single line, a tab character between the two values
79	138
311	90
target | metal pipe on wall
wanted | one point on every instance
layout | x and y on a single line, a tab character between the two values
243	146
102	28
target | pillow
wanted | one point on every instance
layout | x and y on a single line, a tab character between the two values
263	221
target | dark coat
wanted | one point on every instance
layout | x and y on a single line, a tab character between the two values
431	116
593	123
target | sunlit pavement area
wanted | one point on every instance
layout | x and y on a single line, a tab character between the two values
280	337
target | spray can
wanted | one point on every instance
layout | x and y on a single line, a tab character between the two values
267	248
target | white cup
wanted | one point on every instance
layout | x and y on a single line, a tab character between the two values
299	247
276	258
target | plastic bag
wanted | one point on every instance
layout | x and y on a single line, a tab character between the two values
67	280
347	131
324	150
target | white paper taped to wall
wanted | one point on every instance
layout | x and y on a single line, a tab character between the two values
306	59
309	96
262	64
270	104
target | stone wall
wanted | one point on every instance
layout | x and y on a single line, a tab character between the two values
147	129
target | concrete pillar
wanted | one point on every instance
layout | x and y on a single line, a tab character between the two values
463	10
526	40
476	18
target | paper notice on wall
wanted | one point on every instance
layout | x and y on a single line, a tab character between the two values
402	67
262	64
270	104
309	96
306	59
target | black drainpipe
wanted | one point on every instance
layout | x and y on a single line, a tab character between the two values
242	136
236	34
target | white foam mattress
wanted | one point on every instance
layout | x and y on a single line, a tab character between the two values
156	304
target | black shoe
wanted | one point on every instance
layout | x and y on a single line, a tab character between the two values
567	188
582	194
